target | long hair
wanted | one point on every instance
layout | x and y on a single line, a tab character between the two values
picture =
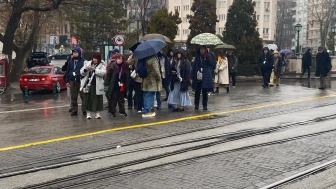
123	64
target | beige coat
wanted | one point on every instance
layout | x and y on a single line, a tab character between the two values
152	83
222	72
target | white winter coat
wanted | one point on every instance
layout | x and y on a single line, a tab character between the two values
100	71
222	72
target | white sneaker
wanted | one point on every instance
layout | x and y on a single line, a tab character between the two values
98	115
150	114
88	115
139	112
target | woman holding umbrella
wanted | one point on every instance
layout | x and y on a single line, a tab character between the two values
222	72
179	96
202	78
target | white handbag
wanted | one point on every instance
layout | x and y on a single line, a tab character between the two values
133	74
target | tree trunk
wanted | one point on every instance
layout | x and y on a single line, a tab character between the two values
18	66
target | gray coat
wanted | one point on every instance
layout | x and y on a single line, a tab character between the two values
100	71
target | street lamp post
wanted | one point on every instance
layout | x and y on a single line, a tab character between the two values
138	19
298	28
333	30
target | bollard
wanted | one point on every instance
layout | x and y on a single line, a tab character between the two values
55	90
26	93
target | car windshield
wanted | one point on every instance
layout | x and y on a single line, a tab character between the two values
39	71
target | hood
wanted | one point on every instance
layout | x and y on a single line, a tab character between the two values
181	51
265	48
79	51
198	50
308	51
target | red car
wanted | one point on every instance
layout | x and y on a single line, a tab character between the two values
43	78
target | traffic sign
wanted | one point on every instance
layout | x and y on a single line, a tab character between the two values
119	40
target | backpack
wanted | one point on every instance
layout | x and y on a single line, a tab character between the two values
141	68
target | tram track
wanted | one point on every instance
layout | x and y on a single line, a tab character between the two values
221	138
84	179
64	159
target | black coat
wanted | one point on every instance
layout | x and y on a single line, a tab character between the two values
185	73
269	61
205	62
307	60
323	64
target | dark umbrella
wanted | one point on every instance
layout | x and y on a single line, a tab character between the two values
156	36
148	48
225	46
286	51
135	46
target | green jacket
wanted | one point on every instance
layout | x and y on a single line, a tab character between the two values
152	82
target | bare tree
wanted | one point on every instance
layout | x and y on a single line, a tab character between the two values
322	12
20	12
284	29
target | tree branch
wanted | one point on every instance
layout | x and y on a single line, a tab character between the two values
55	5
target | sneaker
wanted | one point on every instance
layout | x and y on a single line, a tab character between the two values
113	115
98	115
88	115
234	87
216	92
70	110
205	108
139	112
150	114
158	107
73	113
123	114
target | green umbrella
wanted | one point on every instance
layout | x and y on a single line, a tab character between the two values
206	39
225	46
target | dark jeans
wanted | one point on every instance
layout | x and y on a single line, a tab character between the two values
117	98
266	73
304	69
130	97
233	75
138	96
158	99
198	94
148	101
74	92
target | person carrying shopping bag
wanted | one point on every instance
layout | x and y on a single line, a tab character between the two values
93	86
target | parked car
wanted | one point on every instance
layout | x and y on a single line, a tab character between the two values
38	59
41	78
60	55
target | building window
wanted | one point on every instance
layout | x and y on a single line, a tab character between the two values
266	17
267	6
222	4
221	17
186	7
258	17
177	8
265	31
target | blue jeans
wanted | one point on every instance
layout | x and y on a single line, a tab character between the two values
148	103
166	88
158	99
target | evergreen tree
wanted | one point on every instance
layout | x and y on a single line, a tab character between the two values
204	18
240	31
165	23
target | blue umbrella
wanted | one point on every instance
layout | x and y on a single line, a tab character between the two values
286	51
148	48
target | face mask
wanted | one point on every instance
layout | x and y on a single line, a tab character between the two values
119	61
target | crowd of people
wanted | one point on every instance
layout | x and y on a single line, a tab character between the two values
272	65
141	82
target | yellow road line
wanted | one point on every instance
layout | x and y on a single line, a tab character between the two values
162	122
